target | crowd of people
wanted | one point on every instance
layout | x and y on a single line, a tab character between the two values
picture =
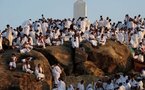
26	66
54	32
118	82
47	32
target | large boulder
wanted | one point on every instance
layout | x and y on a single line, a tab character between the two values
19	80
59	54
112	57
83	66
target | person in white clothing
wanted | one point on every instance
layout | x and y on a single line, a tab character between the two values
9	35
1	39
12	64
143	73
26	30
75	42
80	85
26	48
61	85
140	85
39	72
44	27
27	68
47	41
56	71
89	87
102	40
121	87
127	85
133	83
41	41
70	87
110	85
92	39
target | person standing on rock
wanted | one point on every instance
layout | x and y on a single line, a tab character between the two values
56	71
9	35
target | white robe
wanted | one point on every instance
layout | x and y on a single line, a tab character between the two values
44	28
89	87
121	37
127	86
134	41
1	39
140	85
27	69
32	34
61	85
133	83
143	73
110	86
9	36
26	30
67	24
38	73
126	38
83	26
102	41
48	41
81	86
141	35
75	44
70	87
93	40
56	71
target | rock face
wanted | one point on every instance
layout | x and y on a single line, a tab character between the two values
59	54
83	66
19	80
87	60
112	57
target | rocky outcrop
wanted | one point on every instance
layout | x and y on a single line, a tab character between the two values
59	54
87	60
83	66
112	57
19	80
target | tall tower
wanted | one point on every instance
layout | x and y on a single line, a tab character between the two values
80	9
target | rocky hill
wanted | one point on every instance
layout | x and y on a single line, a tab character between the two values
87	60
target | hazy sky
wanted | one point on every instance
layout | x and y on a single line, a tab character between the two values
14	12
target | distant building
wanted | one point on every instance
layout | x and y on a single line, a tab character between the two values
80	9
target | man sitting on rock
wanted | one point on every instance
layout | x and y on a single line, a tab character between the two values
26	48
28	59
27	68
12	64
39	72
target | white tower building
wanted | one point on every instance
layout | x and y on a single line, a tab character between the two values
80	9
